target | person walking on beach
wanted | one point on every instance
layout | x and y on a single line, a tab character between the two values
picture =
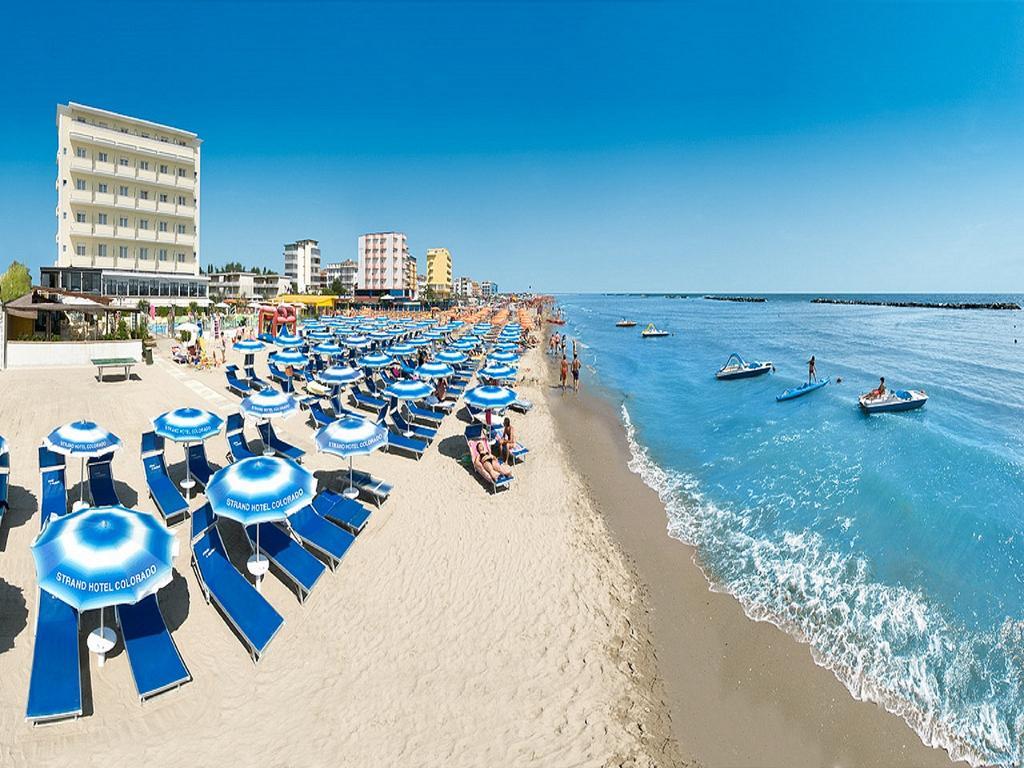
575	372
812	373
564	373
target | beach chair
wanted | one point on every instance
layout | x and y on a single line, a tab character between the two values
411	445
503	481
5	476
319	416
348	513
55	684
162	490
271	440
254	381
238	446
428	415
153	658
235	384
474	431
366	401
277	375
198	464
338	407
53	499
322	537
412	430
101	481
298	565
253	618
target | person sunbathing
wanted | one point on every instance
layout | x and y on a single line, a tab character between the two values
487	464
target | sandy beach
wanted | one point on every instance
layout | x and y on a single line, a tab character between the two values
460	630
739	692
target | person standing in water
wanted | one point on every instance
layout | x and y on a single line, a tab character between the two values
812	372
563	373
575	373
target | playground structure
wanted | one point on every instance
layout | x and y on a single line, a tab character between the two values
271	320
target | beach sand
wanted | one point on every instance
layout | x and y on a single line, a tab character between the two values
460	630
740	692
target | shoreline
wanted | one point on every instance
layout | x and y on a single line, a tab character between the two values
739	691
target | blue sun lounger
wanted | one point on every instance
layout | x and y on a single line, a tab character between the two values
320	417
320	536
5	476
403	426
424	414
246	610
348	513
254	381
153	657
162	490
271	439
101	481
235	384
54	494
412	445
55	685
238	446
301	568
198	464
363	400
474	431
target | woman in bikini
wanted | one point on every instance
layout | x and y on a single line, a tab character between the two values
487	463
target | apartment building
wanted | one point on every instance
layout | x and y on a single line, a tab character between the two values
488	288
344	272
463	287
439	271
248	285
302	265
127	209
385	267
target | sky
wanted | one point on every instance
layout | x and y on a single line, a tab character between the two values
578	146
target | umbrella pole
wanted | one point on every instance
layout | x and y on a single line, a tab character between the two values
351	492
187	485
81	485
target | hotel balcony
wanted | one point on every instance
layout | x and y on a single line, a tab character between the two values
103	230
145	205
142	175
102	198
168	208
165	237
146	234
103	167
165	178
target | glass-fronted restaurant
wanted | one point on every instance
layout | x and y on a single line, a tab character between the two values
128	288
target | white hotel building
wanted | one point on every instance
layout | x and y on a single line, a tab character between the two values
127	209
302	265
386	269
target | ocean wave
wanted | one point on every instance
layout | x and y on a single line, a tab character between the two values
959	690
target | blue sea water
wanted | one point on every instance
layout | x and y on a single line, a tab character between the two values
891	543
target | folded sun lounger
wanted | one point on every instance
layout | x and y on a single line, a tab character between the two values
101	481
153	657
246	610
5	475
348	513
301	568
319	535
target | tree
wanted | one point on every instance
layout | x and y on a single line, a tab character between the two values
336	288
15	282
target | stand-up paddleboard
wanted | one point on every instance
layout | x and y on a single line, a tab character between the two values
804	389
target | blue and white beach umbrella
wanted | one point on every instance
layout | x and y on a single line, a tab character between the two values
465	345
83	439
498	371
288	340
401	350
356	341
490	398
101	556
249	346
450	356
318	335
329	348
418	341
432	335
269	404
351	436
434	370
340	375
3	445
291	357
408	389
187	425
260	489
505	347
381	335
375	360
503	357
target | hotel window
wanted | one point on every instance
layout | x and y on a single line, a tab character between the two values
163	169
143	165
162	226
122	251
143	223
79	151
80	218
80	250
181	200
101	188
143	253
101	250
143	195
102	157
101	218
122	191
181	172
181	229
123	221
122	161
163	198
163	254
80	184
181	257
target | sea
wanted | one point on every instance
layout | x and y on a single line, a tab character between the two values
891	543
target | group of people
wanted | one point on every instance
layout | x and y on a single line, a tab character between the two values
495	465
556	345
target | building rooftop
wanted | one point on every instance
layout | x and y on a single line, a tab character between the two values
73	105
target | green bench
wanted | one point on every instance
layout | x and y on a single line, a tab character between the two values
102	363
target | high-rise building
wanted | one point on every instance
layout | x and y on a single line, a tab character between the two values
385	266
127	209
439	271
344	272
247	285
302	265
463	287
488	288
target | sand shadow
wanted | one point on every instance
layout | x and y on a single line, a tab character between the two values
453	447
127	495
174	601
13	614
22	506
331	479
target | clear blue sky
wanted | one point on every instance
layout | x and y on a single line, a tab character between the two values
589	146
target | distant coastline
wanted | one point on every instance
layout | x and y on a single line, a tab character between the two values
744	299
998	305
